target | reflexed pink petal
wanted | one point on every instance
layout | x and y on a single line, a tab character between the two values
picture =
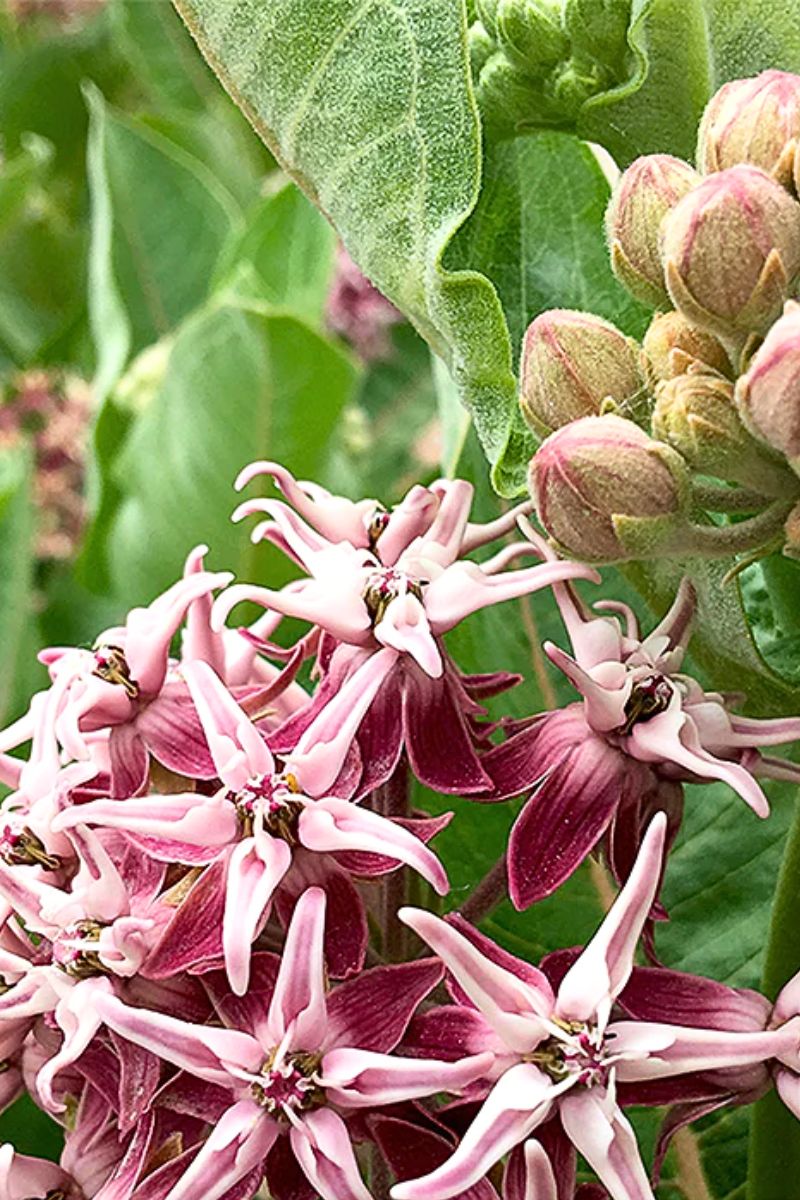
519	1102
194	934
298	1002
171	729
438	738
323	1149
128	759
329	825
676	625
199	641
409	1148
255	868
515	1010
564	819
607	1142
202	1050
452	1030
286	1179
365	1079
238	749
239	1143
677	998
604	703
320	753
602	970
336	607
372	1011
404	627
476	536
346	932
336	518
450	523
410	519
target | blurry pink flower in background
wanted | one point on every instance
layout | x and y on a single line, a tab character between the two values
358	312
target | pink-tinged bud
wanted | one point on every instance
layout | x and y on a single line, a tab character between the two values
696	415
571	363
731	249
672	345
768	396
605	491
646	192
753	121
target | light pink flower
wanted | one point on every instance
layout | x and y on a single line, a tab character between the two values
558	1051
295	1064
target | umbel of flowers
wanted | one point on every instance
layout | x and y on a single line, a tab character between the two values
634	434
204	965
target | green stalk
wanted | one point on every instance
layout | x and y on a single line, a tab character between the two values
774	1157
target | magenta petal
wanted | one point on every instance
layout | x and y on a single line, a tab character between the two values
565	818
346	932
140	1072
676	998
372	1011
172	730
194	934
437	737
410	1148
449	1032
285	1177
129	761
248	1012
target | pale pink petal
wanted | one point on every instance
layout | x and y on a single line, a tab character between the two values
77	1017
330	825
463	588
216	1055
181	817
410	519
298	1002
605	1139
516	1010
517	1103
238	749
320	753
450	522
788	1086
604	705
237	1144
322	1147
602	970
366	1079
480	535
336	518
788	1003
540	1182
254	872
404	627
199	641
336	603
678	1050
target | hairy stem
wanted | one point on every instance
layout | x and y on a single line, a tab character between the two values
728	500
718	541
774	1132
487	894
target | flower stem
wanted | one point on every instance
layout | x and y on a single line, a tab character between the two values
487	894
774	1133
718	541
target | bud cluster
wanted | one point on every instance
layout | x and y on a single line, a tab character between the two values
714	388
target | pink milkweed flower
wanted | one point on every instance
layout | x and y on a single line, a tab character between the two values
127	685
559	1052
22	1178
603	765
386	587
296	1060
258	828
97	932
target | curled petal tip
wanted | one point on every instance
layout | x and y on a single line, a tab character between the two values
250	472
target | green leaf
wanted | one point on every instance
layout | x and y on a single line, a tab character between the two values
31	1131
242	382
160	53
370	107
284	256
159	220
16	568
682	51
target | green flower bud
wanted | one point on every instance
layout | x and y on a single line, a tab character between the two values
753	121
571	363
696	415
645	193
768	395
731	249
531	33
598	30
486	13
605	491
672	344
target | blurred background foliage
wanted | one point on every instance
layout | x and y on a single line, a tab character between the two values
171	307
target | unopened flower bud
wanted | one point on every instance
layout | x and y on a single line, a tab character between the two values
571	363
605	491
768	395
731	249
646	192
791	532
695	414
754	121
598	29
531	33
672	345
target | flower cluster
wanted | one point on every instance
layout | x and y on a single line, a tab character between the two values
713	391
200	970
